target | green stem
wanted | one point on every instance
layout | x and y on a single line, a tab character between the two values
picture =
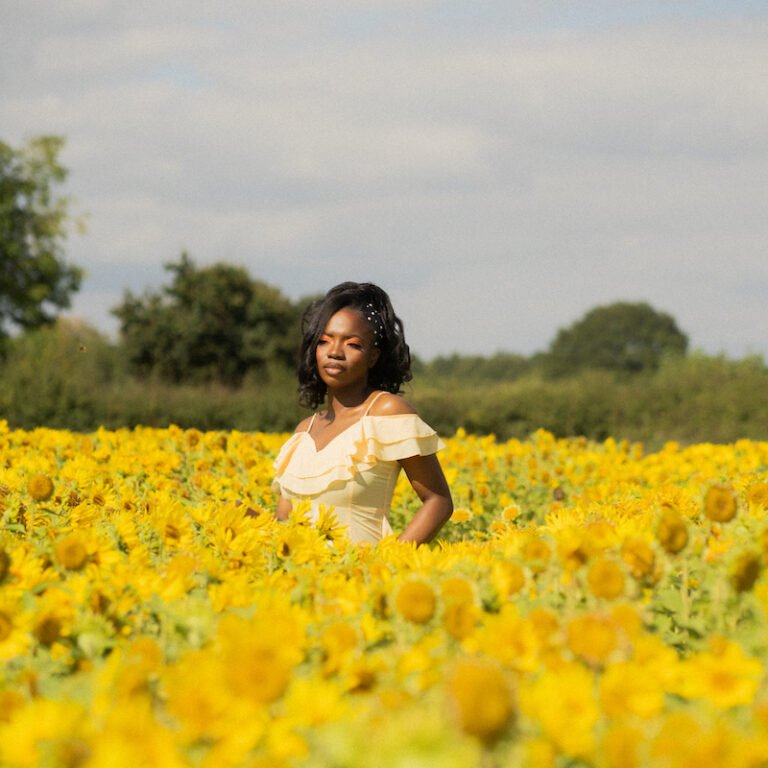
685	595
718	604
31	519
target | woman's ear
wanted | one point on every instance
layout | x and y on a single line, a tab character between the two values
375	354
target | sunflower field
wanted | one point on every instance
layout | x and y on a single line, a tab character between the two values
589	604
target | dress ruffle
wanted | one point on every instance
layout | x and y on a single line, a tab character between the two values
302	470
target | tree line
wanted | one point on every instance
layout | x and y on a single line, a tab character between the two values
215	347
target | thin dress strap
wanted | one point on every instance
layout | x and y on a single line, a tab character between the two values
311	422
370	405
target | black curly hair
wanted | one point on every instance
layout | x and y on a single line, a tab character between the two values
393	367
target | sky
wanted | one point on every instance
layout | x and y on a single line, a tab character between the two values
499	167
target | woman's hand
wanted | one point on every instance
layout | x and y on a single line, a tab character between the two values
283	509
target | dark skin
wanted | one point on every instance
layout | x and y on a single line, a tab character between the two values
345	354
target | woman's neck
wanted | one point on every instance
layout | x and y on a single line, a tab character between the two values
341	401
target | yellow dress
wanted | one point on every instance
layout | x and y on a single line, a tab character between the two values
356	472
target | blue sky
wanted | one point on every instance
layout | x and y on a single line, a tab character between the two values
500	168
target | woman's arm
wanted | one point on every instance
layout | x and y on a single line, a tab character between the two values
427	478
283	508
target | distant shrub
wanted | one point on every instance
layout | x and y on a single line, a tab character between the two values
70	376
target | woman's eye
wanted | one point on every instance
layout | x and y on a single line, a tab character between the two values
355	345
320	342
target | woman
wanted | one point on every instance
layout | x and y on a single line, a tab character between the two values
354	356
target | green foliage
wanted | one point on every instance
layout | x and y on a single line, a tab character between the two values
212	324
622	337
70	376
35	280
57	376
690	400
502	366
577	405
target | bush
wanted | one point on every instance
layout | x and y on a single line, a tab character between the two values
57	377
70	376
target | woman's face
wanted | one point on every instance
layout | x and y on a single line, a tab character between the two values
345	352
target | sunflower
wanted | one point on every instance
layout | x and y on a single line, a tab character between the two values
416	601
672	532
5	565
720	503
593	638
605	578
757	494
638	556
71	552
40	487
745	571
482	699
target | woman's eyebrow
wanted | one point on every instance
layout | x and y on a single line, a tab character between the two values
343	336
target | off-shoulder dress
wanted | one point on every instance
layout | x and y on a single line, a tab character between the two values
355	473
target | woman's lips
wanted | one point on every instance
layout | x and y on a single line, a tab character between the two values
333	369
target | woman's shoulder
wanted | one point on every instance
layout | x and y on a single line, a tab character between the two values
388	404
394	439
303	425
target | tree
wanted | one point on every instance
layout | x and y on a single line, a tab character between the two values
620	337
211	324
35	279
501	366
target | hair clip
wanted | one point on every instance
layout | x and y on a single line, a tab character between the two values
377	324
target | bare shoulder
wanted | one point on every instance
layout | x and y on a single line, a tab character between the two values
303	425
388	404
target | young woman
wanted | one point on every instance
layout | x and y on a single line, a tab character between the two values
348	456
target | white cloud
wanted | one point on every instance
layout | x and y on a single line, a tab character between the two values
500	178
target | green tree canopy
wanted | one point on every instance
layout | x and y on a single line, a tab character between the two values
35	279
211	324
501	366
622	337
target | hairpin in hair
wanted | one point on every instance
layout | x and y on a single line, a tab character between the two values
372	315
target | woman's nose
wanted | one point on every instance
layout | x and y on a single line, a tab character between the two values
336	350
